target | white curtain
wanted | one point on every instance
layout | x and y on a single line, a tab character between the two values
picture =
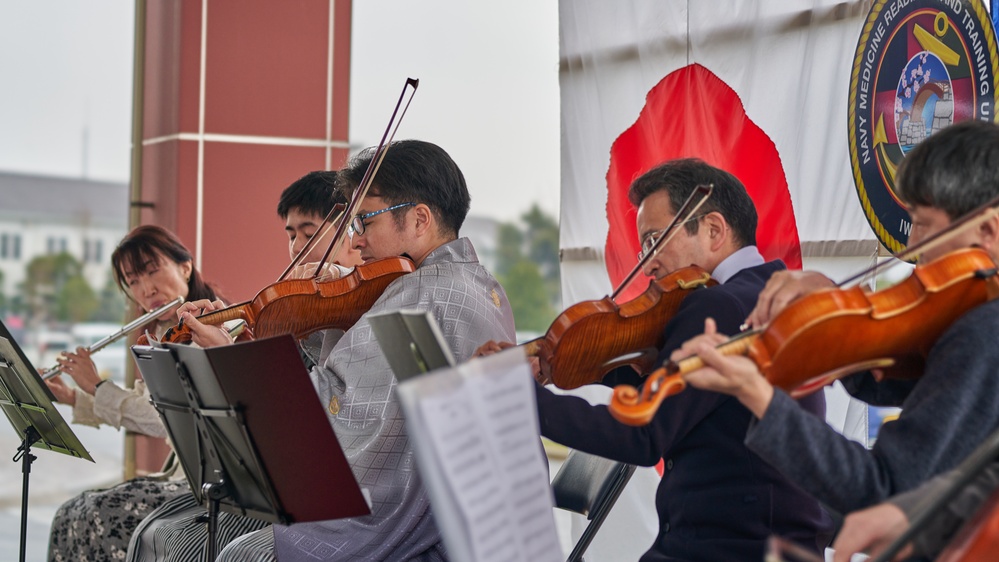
789	61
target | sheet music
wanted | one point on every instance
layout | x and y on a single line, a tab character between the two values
475	433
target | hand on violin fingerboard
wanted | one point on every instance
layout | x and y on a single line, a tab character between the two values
203	335
735	375
491	347
781	290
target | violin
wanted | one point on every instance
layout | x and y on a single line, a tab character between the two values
591	338
857	330
302	306
576	350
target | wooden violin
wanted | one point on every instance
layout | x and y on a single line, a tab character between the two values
834	332
591	338
302	306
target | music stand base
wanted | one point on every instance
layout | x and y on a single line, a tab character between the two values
24	455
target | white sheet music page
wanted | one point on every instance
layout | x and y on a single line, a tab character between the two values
475	433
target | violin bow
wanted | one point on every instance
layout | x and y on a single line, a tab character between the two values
684	214
971	219
335	214
365	183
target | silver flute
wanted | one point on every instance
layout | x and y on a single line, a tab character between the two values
125	330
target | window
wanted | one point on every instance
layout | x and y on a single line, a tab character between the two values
55	245
92	250
10	246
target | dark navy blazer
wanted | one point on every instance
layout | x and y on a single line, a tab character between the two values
717	500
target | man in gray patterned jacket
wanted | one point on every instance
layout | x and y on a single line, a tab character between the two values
414	209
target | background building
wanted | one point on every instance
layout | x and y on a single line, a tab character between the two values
45	215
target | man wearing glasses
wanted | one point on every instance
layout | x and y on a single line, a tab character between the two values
415	209
717	500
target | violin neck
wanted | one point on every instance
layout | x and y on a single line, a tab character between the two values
738	345
219	317
533	348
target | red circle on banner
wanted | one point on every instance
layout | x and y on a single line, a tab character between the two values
693	113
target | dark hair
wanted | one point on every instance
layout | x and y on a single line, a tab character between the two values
419	172
314	193
678	178
141	249
954	170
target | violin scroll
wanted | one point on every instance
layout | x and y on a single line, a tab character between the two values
630	406
633	407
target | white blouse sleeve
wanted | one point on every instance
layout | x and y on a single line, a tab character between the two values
131	409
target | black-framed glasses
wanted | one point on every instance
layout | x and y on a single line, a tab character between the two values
651	239
357	224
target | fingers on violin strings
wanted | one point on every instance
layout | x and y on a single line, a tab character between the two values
187	307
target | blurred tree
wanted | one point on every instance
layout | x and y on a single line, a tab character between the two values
76	302
528	268
531	303
3	298
112	303
542	236
54	289
510	249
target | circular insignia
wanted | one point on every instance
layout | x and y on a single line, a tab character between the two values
920	66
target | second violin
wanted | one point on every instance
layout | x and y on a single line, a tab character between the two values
855	330
592	337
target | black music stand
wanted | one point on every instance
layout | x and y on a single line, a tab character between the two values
250	432
27	403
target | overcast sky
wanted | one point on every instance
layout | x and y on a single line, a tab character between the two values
488	89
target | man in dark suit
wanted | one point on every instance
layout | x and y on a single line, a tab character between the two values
717	500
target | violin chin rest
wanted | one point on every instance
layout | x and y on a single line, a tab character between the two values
816	383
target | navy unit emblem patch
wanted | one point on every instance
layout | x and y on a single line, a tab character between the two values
920	65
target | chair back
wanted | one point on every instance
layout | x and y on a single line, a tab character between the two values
589	485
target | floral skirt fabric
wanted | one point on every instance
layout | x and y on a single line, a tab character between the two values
96	525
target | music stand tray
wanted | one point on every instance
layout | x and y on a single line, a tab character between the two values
27	403
245	420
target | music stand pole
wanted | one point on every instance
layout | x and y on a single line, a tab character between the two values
24	455
214	493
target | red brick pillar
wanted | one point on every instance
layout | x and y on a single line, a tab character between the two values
239	98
